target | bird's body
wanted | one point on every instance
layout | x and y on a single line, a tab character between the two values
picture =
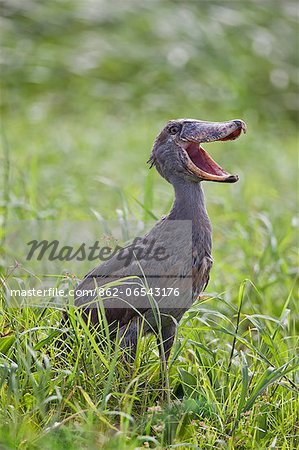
186	241
174	257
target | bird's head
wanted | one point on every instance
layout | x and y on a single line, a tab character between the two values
178	153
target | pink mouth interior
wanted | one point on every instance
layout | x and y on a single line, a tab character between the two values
202	159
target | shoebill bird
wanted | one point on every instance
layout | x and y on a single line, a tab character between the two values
157	278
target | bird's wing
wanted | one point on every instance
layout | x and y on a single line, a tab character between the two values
158	269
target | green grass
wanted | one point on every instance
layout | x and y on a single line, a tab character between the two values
75	141
231	376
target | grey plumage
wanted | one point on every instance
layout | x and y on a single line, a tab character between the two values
185	235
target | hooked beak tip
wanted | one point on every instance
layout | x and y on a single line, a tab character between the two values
233	178
241	124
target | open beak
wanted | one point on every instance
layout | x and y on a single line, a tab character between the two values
199	162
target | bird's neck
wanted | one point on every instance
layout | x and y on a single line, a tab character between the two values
189	204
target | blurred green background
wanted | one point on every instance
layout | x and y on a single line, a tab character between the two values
88	85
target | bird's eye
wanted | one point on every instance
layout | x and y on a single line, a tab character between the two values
173	129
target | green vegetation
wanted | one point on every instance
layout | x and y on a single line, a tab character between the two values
86	87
